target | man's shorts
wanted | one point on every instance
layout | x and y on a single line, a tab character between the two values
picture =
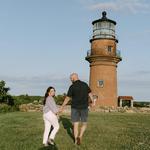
78	115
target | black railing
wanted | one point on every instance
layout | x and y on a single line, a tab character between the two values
118	53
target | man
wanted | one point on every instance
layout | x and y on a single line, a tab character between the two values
79	92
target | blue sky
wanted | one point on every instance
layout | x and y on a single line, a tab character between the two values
43	41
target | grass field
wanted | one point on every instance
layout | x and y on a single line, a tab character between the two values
106	131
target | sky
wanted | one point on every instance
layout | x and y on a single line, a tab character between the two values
43	41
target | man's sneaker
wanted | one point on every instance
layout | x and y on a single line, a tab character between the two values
51	141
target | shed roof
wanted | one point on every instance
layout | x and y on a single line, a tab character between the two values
125	97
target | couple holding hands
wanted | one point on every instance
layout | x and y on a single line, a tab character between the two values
79	92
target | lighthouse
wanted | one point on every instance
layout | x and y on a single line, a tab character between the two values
103	58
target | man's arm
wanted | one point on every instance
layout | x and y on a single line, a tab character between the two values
67	99
91	97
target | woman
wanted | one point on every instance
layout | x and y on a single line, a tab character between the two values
50	111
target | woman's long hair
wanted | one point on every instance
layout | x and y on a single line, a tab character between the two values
46	94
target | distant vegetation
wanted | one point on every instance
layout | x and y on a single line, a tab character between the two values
11	103
25	99
6	100
136	104
141	104
5	97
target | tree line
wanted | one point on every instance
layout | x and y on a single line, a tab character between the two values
11	103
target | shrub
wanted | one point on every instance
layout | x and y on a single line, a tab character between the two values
141	104
25	99
7	108
60	99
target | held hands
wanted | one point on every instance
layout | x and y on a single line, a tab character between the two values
58	114
92	104
94	99
60	109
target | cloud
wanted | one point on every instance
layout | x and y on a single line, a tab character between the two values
36	85
105	5
140	34
145	74
137	88
126	6
147	31
136	84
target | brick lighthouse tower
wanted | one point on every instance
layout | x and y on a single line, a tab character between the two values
103	58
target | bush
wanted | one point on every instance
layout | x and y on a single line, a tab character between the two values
7	108
4	96
60	99
141	104
25	99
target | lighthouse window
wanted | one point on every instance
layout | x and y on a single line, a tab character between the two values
101	83
109	48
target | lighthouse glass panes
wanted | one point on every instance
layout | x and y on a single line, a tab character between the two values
103	29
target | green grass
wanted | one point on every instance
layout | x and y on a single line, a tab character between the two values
106	131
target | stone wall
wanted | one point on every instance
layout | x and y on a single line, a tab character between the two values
38	108
31	107
122	109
